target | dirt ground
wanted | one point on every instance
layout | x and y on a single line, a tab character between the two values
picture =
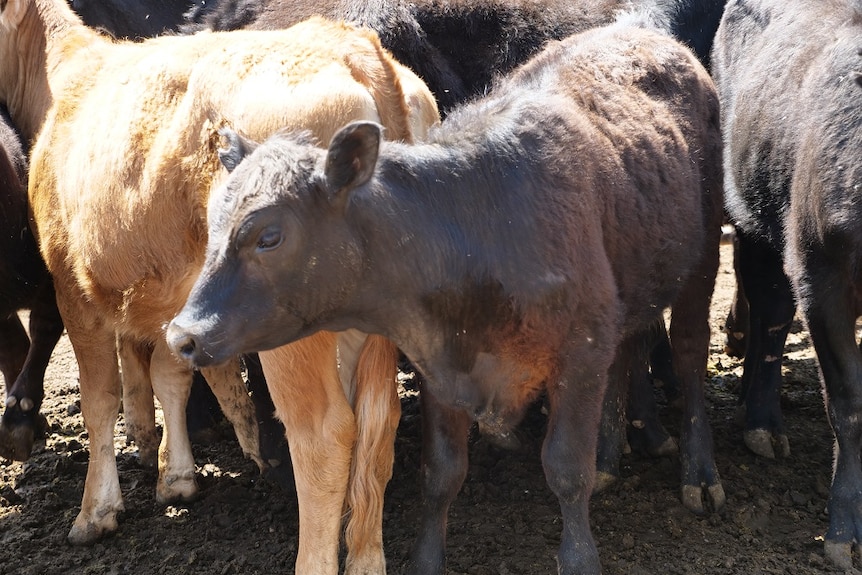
505	521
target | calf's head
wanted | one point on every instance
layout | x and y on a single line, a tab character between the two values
280	256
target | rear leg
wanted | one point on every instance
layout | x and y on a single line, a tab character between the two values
139	410
23	362
575	399
771	308
736	326
227	385
629	384
16	428
689	338
645	430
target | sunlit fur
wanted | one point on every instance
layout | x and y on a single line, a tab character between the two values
120	175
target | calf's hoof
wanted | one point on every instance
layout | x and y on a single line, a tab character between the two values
86	531
369	563
603	481
651	438
19	430
734	343
767	444
693	498
841	554
172	488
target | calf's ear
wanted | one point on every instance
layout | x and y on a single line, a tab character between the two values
352	156
237	148
12	11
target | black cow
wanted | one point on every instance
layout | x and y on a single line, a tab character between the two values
789	79
24	284
133	19
458	46
542	229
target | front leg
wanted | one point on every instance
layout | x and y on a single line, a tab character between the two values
100	404
830	315
444	467
321	430
569	456
771	310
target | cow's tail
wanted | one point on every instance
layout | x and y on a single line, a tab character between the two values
377	409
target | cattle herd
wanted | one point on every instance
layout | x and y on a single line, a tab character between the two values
510	193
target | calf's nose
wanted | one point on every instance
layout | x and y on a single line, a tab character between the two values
183	343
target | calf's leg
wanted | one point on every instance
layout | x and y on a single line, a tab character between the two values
230	390
321	431
23	362
568	453
689	336
771	309
443	469
139	410
827	302
171	382
100	387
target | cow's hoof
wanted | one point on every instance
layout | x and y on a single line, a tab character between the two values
651	438
735	344
839	554
370	562
174	488
18	431
766	444
86	532
693	498
603	481
505	440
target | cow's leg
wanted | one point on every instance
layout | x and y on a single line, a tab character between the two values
828	306
273	444
16	428
320	427
100	387
171	382
771	309
611	440
568	452
230	390
139	410
377	409
629	385
736	325
645	431
21	422
689	336
661	362
444	467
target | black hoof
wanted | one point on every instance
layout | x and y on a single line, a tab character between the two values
18	431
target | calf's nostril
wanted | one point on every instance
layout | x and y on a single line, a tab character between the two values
187	348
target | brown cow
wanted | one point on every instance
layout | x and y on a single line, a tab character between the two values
535	236
120	174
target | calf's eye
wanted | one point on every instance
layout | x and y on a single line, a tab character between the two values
269	240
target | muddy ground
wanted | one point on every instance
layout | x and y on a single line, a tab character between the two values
505	521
